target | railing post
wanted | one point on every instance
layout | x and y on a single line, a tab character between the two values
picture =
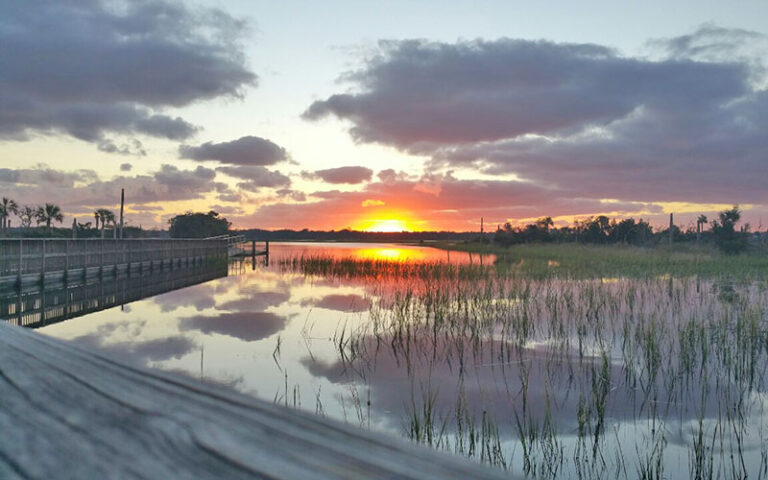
42	263
84	259
21	261
66	261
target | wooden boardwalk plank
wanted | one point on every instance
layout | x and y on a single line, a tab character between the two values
70	413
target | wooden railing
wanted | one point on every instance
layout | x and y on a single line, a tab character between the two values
23	260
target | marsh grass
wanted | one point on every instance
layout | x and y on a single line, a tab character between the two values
556	371
576	260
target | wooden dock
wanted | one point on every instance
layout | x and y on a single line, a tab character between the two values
24	261
69	413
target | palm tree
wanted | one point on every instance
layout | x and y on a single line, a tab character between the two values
106	217
7	206
702	220
48	213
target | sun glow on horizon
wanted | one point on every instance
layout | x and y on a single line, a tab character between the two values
385	225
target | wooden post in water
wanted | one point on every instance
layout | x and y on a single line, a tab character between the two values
266	249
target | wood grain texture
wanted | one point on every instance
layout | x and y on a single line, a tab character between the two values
69	413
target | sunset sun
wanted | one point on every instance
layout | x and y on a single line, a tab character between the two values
385	225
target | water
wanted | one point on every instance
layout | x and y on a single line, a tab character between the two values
549	376
256	330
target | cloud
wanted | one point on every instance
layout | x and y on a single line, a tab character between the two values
126	167
574	120
201	297
102	67
710	43
341	303
248	326
247	150
443	201
339	175
138	352
78	191
134	147
44	175
256	177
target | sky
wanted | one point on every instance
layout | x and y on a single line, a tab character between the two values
418	115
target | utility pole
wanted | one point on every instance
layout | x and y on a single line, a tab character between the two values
122	205
671	231
481	225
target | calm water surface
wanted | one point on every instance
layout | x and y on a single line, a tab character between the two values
264	331
553	377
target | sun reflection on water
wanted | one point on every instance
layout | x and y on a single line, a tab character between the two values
391	254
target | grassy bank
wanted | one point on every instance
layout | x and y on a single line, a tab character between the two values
572	259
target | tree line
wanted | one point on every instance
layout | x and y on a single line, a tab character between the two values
46	216
723	232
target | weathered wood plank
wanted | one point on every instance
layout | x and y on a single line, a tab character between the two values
69	413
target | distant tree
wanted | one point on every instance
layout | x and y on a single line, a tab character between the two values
198	225
594	230
727	238
27	214
700	222
106	217
630	231
49	213
7	207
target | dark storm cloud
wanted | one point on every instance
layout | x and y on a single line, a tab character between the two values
578	120
351	175
95	67
256	177
243	151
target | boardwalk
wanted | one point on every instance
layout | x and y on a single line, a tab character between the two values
24	261
68	413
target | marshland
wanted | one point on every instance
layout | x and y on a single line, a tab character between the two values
548	361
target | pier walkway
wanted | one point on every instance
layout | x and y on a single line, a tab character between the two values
24	261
